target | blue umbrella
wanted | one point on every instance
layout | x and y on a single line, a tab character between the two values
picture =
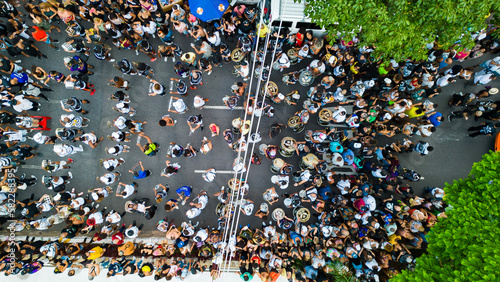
208	10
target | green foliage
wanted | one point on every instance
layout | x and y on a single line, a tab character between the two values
463	247
400	29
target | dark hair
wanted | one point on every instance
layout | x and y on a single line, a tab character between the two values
430	148
432	129
162	122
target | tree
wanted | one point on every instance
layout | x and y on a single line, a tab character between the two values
400	29
463	246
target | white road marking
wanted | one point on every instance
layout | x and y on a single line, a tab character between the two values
54	101
31	166
221	108
217	171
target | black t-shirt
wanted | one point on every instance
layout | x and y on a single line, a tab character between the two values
31	209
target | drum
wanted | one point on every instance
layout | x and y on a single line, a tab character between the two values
302	214
286	169
278	214
293	56
236	123
309	161
237	55
245	128
272	90
288	147
223	210
277	165
295	125
324	117
306	78
233	184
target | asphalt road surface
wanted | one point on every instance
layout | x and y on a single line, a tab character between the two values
452	158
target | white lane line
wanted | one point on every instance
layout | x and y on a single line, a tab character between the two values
53	101
222	108
31	166
217	171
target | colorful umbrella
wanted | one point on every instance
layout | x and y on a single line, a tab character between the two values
208	10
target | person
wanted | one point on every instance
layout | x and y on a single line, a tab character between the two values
206	145
179	106
197	121
485	128
195	78
128	190
161	192
63	150
90	139
140	174
151	148
171	169
166	120
42	36
209	175
423	148
184	193
180	86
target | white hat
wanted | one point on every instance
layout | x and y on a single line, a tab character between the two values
387	80
120	105
493	91
112	150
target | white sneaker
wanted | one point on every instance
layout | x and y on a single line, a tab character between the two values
173	59
165	59
137	52
70	174
112	60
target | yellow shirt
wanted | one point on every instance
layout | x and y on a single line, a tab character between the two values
262	32
95	253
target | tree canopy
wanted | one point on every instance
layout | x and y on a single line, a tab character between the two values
463	246
400	29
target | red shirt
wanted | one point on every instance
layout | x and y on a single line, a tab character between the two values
118	236
39	34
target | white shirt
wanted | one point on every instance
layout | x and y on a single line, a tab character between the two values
24	104
97	216
110	163
482	79
129	190
443	81
114	217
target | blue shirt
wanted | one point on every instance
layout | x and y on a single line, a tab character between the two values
21	77
140	174
433	119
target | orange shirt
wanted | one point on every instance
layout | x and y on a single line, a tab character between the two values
39	34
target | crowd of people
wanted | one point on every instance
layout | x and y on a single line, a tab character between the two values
369	222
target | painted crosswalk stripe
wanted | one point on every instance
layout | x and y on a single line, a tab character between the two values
221	108
217	171
31	166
